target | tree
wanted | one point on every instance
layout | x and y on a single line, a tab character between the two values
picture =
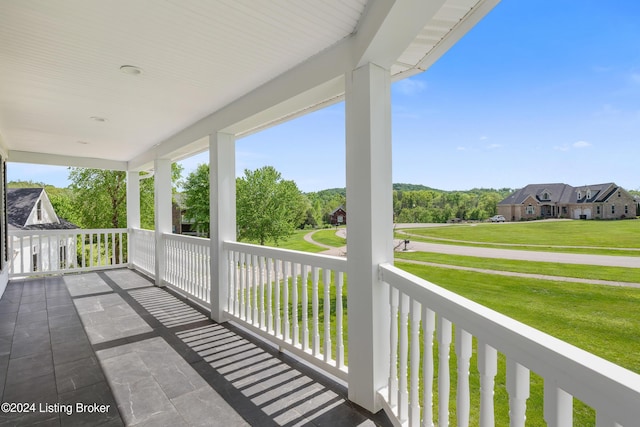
196	191
99	197
268	207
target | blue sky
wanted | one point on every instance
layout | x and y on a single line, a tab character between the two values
539	91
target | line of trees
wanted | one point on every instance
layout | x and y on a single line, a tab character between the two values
269	208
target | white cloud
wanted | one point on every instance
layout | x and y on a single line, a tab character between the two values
410	86
581	144
460	148
484	138
577	144
493	146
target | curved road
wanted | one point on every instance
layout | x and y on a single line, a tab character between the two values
522	255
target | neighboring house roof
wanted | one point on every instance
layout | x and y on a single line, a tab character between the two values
339	208
560	193
22	201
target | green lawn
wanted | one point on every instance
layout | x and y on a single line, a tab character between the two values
328	237
295	242
617	274
547	234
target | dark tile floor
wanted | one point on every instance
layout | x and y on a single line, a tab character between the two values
151	359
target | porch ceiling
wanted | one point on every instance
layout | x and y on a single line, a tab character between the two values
60	67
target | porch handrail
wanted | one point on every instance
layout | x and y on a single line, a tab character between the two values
187	266
42	252
267	285
614	392
143	255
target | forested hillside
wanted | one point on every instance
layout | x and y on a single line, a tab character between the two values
417	203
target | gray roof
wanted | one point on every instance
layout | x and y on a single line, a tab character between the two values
20	204
560	193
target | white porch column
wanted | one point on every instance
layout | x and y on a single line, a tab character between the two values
133	211
370	229
222	209
162	206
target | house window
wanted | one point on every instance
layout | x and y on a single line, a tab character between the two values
564	209
531	210
579	194
613	209
546	196
588	194
626	209
598	210
618	194
39	210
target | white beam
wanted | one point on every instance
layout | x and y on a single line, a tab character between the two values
370	229
467	23
56	160
222	209
389	28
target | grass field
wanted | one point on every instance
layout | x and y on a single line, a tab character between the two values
615	274
599	234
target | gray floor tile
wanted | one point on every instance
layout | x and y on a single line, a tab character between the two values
78	374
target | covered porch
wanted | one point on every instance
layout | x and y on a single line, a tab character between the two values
110	348
388	335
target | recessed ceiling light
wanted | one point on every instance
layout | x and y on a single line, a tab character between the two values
131	70
98	119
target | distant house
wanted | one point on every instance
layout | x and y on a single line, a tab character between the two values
598	201
30	209
338	216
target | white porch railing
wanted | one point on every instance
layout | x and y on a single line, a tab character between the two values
289	297
143	243
419	306
38	252
187	266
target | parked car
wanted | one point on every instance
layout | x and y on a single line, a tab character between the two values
497	218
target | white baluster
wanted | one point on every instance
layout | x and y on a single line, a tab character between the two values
518	389
269	295
327	314
393	346
315	346
414	400
241	294
278	315
444	378
230	286
558	405
295	340
254	268
429	327
305	308
488	368
339	336
463	353
263	316
403	392
285	301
